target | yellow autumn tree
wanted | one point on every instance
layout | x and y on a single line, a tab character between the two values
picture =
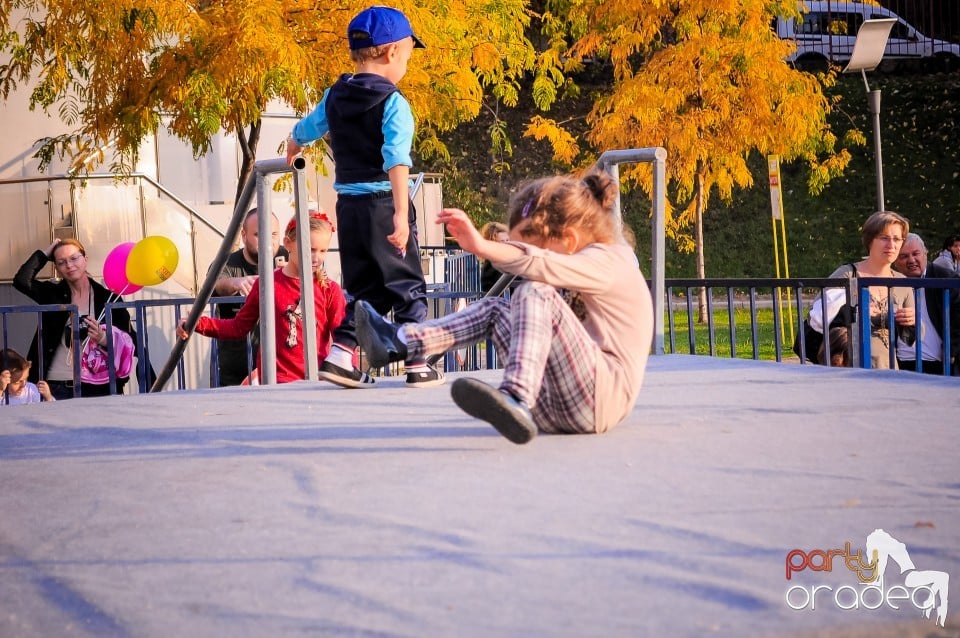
705	79
117	71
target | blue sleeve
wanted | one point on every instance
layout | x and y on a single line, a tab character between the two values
398	128
313	126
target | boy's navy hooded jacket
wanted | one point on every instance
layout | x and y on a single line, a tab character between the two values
354	110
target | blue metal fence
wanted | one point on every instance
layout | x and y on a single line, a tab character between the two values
802	292
791	296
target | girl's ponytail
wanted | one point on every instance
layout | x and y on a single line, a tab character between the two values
548	206
601	187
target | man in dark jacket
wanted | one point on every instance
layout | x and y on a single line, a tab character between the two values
236	278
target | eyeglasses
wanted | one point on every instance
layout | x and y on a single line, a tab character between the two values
889	239
71	260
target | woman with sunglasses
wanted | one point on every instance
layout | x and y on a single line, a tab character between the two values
55	340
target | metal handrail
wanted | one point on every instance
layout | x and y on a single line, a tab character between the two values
73	178
138	178
255	184
40	309
609	162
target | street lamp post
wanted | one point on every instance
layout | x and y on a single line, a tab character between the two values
867	53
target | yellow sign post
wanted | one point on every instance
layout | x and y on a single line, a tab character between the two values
776	205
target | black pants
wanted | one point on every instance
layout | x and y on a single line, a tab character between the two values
929	367
232	362
372	268
64	389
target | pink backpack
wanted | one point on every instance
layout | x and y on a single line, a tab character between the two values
94	365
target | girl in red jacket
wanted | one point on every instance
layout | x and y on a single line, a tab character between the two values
329	304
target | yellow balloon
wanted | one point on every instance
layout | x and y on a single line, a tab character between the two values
152	261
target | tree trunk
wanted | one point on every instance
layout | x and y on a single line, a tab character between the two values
698	240
248	149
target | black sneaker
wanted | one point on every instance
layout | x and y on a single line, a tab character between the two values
511	418
377	337
427	379
352	378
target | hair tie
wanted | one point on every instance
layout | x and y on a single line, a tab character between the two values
292	224
323	217
593	186
526	209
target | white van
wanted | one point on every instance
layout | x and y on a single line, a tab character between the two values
827	31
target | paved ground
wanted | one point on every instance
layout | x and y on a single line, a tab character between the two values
305	510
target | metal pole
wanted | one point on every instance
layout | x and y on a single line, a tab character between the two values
873	100
659	246
854	335
610	161
277	165
307	297
265	265
206	290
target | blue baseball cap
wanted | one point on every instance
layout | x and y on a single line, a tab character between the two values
380	25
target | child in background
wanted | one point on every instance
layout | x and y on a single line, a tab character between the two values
14	387
329	305
493	231
565	371
370	131
839	349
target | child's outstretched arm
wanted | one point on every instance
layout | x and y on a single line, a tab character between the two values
182	333
312	127
236	328
466	234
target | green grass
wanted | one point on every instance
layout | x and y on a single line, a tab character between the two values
743	334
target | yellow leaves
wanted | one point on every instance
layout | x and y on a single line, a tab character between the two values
718	90
854	137
565	147
705	79
485	57
216	65
429	145
676	223
544	91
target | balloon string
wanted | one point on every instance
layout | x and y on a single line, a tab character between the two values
111	299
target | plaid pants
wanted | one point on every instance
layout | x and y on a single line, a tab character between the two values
551	361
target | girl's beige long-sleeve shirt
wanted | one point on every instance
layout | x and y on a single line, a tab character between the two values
619	314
